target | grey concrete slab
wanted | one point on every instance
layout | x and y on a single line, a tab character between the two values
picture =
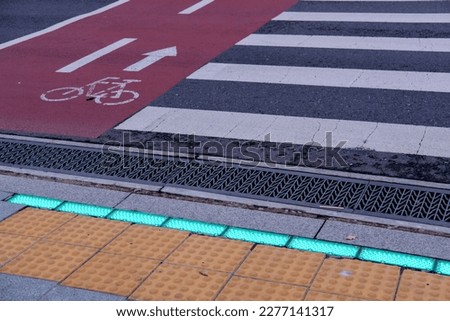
279	223
18	288
304	209
382	238
67	192
4	195
64	293
8	209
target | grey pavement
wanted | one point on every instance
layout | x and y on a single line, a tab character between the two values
382	238
19	288
8	209
4	195
265	221
67	192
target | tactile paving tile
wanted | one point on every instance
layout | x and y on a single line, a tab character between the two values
117	274
49	260
12	245
88	231
210	253
243	289
146	241
423	286
281	265
34	222
322	296
180	283
358	279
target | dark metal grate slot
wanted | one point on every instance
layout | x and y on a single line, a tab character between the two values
400	202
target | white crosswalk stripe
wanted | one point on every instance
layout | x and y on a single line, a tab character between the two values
333	77
342	42
296	70
364	17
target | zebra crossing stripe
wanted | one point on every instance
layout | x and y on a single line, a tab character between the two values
342	42
383	137
330	77
364	17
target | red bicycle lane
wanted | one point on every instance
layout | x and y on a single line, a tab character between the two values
112	46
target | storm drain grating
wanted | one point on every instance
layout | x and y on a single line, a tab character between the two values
401	202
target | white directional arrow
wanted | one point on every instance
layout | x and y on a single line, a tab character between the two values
152	57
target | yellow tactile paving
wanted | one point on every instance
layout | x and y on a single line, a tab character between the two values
146	241
180	283
11	245
88	231
422	286
60	246
245	289
112	273
49	260
210	253
357	279
34	222
322	296
281	265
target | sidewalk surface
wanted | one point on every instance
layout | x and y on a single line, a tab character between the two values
80	251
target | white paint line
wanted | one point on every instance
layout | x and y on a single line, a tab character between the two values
365	17
61	24
152	57
95	55
329	77
392	138
436	140
342	42
196	7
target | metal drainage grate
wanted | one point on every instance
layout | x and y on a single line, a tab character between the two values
400	202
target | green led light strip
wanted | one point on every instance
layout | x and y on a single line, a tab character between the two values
242	234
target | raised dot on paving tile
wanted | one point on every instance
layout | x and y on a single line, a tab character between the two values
49	260
423	286
180	283
88	231
34	222
323	296
210	253
357	279
146	241
12	245
244	289
117	274
281	265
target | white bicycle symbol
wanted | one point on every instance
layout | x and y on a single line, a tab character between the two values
117	92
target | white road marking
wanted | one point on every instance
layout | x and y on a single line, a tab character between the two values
196	7
95	55
365	17
383	137
61	24
151	58
343	42
329	77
